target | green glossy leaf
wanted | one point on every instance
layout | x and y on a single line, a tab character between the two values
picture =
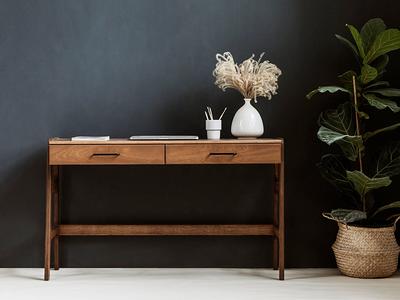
380	63
381	103
346	215
350	45
325	89
348	144
370	31
392	205
333	171
339	119
347	76
330	136
338	126
346	79
386	41
370	134
357	39
388	163
351	147
388	92
377	84
368	74
364	184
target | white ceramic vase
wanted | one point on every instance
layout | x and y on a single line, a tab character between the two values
247	122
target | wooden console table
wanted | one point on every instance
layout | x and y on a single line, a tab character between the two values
125	152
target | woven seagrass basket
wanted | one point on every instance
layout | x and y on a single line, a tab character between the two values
366	252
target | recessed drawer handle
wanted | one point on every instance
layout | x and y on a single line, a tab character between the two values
105	154
222	153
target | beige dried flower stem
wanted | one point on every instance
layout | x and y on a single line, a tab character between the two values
251	78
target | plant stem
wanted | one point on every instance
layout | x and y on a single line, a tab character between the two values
357	121
358	134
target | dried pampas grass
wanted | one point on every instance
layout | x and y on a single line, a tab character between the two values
252	78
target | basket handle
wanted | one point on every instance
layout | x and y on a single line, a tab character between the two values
395	221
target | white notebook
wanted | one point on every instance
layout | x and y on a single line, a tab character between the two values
90	138
164	137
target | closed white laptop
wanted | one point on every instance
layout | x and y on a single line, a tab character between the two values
164	137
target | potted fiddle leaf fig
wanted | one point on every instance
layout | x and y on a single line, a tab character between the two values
365	246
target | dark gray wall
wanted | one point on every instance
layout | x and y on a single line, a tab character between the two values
144	67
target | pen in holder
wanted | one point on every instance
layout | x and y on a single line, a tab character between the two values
213	128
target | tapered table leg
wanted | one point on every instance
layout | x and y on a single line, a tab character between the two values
56	214
275	217
47	238
281	220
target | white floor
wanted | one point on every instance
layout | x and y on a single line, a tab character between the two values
192	284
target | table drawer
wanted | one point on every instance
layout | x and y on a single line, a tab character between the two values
106	154
224	154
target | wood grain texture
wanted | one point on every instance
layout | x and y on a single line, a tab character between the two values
106	154
223	154
128	230
56	215
66	141
53	233
275	215
281	217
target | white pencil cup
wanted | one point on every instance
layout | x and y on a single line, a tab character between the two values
213	128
